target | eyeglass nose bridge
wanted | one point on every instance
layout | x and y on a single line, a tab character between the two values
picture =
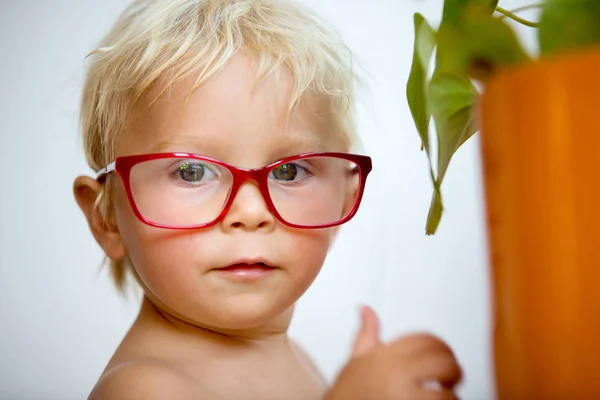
259	176
242	176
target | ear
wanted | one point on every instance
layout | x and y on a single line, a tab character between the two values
105	230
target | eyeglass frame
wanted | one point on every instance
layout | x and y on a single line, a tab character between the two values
123	166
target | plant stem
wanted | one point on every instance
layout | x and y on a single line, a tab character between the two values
516	18
528	7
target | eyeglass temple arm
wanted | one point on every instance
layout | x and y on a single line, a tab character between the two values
105	171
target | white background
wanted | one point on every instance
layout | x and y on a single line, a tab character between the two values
61	319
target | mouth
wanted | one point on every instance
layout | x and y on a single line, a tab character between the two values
246	266
249	270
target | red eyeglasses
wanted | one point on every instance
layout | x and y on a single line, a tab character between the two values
189	191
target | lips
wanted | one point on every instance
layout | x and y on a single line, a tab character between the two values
247	270
248	263
246	266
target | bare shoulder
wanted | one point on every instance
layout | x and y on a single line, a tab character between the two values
307	361
148	381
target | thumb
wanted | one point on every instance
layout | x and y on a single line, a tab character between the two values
368	335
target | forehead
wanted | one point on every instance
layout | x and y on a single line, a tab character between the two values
231	116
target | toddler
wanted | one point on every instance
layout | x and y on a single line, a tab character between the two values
222	134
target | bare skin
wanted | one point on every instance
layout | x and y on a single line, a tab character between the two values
200	335
164	356
414	367
185	365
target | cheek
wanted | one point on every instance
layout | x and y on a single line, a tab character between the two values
307	252
170	265
161	257
335	202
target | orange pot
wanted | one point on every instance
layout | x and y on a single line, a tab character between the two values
541	158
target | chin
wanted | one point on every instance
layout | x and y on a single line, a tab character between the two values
251	311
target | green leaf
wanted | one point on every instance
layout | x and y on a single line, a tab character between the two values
417	81
489	40
424	44
435	214
452	98
454	9
477	39
452	95
567	25
468	35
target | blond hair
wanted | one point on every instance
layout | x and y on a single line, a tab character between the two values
172	39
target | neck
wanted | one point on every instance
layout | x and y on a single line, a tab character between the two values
273	332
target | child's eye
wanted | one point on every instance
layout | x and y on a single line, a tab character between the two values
288	172
194	173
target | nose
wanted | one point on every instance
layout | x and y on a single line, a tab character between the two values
249	211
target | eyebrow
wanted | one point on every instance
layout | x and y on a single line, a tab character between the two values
290	145
299	145
190	141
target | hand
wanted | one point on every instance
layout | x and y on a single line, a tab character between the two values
416	367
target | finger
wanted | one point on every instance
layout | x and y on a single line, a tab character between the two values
368	335
439	394
416	344
437	366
